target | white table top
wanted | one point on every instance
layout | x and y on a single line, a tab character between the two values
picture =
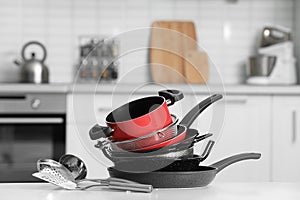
215	191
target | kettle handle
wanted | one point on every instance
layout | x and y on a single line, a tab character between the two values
34	43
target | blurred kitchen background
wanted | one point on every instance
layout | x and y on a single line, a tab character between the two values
261	118
229	30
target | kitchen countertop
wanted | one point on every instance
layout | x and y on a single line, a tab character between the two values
188	88
215	191
149	88
33	88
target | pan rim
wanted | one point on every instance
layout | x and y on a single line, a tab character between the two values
212	169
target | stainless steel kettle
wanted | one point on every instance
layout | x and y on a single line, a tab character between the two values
33	70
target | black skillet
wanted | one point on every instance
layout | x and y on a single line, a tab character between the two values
155	162
198	176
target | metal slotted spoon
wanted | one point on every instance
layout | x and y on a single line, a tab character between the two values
57	174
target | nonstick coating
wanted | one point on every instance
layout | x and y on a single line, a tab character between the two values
199	177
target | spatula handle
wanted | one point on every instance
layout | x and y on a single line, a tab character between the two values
130	186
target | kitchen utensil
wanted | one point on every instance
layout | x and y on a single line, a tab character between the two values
33	70
75	165
196	69
53	176
198	177
169	40
139	117
150	139
274	34
181	128
57	174
152	163
261	65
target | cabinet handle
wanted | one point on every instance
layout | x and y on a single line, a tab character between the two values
294	121
236	101
104	109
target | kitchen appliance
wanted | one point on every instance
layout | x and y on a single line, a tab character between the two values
264	69
197	176
32	126
33	70
261	65
274	34
98	59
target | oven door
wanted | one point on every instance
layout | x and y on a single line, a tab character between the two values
26	138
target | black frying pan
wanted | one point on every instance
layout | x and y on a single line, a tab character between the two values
152	163
198	177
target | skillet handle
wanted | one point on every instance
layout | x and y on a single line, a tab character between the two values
207	150
190	117
201	137
97	132
233	159
171	96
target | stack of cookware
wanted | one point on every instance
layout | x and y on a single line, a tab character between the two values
148	145
143	136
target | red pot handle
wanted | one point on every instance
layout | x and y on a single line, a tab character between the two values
171	96
97	132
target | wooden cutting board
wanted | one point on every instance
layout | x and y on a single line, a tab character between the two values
196	68
168	44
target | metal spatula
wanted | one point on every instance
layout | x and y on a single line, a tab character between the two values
51	175
54	176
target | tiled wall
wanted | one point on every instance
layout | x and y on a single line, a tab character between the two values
228	31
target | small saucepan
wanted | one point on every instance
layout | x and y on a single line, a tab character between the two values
179	131
199	176
139	117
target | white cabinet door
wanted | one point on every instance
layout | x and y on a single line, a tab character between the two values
286	139
239	124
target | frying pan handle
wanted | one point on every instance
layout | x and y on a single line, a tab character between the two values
201	137
97	132
190	117
207	149
233	159
171	96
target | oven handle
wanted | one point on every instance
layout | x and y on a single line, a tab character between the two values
28	120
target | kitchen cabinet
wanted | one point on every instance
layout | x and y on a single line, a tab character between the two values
286	138
240	123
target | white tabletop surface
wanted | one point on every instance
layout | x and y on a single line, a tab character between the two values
216	191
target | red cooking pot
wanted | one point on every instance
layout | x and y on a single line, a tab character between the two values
139	117
184	125
178	132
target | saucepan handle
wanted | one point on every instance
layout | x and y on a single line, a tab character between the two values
97	132
233	159
190	117
201	137
171	96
